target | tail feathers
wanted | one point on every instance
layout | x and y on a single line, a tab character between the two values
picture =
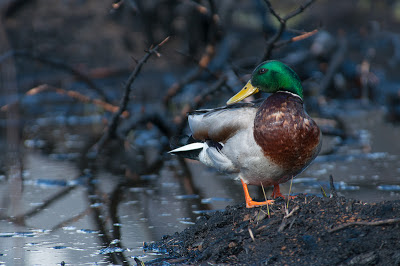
190	148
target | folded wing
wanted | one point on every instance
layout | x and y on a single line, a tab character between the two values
222	123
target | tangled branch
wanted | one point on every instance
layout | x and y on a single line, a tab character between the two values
112	127
272	42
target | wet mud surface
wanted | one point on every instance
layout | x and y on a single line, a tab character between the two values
312	230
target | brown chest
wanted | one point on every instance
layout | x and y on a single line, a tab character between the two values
286	134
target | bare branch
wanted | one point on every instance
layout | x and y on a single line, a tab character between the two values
286	217
112	127
273	11
296	39
199	100
299	10
332	186
272	42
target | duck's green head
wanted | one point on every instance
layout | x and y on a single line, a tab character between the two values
270	76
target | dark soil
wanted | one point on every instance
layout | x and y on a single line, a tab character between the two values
311	234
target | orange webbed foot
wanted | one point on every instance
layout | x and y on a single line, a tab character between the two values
250	203
276	193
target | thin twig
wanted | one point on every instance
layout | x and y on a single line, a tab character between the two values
278	34
265	197
332	187
177	86
271	44
251	235
199	100
296	38
111	130
291	212
374	223
298	10
290	191
323	191
286	217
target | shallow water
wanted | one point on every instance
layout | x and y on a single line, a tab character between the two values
64	215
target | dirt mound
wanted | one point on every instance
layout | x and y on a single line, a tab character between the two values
312	230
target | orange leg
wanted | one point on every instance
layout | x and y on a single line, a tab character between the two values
251	203
277	193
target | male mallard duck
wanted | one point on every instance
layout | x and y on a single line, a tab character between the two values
266	143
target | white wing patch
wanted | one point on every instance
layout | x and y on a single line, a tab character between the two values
189	147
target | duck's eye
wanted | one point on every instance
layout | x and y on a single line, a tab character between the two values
262	71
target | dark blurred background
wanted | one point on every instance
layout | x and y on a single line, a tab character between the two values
64	68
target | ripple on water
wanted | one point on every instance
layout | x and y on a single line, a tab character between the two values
59	247
314	183
87	231
18	234
206	211
183	197
110	250
389	187
215	199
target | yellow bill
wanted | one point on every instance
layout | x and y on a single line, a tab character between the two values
247	91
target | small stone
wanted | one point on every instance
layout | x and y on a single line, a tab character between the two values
232	244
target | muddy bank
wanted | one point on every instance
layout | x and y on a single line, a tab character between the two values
334	231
